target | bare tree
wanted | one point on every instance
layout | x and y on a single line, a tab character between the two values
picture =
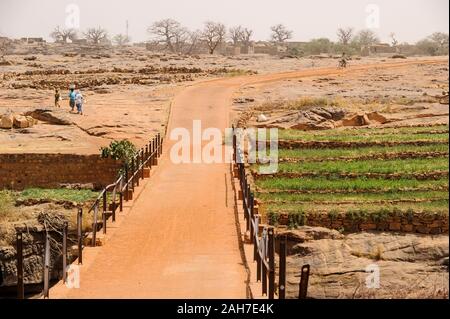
121	39
181	39
96	35
193	41
236	34
247	36
345	35
5	46
280	33
213	34
63	35
167	32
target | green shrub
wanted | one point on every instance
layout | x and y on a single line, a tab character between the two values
119	150
296	219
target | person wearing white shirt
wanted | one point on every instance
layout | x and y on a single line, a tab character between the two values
79	102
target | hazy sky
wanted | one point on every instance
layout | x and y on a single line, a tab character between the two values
411	20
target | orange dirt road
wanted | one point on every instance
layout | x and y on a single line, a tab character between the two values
180	239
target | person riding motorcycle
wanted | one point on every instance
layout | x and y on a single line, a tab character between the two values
343	61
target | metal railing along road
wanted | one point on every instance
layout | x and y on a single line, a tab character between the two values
121	190
263	241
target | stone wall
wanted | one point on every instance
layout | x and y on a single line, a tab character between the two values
18	171
414	222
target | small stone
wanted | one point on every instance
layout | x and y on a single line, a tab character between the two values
21	121
262	118
6	121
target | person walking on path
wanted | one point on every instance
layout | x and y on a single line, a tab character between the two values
72	96
79	102
57	98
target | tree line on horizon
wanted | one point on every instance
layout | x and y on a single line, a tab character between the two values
169	35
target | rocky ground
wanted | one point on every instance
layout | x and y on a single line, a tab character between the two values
410	95
410	265
127	94
128	91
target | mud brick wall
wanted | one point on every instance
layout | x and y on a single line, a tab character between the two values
19	171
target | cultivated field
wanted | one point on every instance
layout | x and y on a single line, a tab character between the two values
364	174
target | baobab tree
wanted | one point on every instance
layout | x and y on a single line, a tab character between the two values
246	36
240	34
167	32
280	33
236	34
213	34
345	35
181	39
63	35
96	35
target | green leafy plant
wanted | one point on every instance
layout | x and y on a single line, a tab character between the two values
122	150
296	219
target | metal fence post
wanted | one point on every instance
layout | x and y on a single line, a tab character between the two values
158	138
150	154
20	286
255	238
247	199
46	264
234	145
258	261
154	151
104	212
251	203
271	263
94	226
263	257
80	235
303	288
142	164
113	217
136	171
127	186
132	174
282	269
64	252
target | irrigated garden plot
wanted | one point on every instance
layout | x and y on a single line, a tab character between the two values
359	179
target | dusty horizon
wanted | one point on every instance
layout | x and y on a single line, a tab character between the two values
411	21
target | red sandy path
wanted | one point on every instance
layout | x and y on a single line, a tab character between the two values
180	238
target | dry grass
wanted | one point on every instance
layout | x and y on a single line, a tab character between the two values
350	104
302	103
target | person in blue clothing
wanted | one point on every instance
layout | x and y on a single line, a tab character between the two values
72	96
79	100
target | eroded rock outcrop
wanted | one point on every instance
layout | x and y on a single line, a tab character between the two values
410	265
